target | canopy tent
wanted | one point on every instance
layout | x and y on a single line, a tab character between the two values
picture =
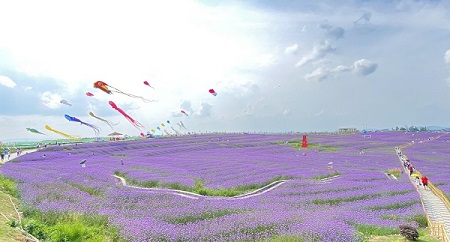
115	135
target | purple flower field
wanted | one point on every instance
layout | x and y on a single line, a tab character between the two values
303	206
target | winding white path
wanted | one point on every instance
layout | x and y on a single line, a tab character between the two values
192	195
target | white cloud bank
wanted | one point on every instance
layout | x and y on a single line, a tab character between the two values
7	82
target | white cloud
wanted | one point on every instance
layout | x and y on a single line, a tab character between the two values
341	68
7	82
364	67
318	74
291	49
319	51
447	57
205	110
51	100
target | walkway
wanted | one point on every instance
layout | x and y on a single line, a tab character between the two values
437	212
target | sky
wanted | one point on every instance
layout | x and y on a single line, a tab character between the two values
276	66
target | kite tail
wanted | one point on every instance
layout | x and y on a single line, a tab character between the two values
104	120
61	133
131	95
95	128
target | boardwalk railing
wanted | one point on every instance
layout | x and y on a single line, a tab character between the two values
438	230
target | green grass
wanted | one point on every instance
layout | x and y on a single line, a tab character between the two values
199	186
395	172
297	144
335	173
68	226
8	186
91	191
202	216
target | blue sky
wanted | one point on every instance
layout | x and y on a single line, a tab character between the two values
276	65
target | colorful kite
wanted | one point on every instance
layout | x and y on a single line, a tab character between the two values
65	102
213	92
184	112
89	94
162	124
135	123
109	89
73	119
34	131
104	120
61	133
148	84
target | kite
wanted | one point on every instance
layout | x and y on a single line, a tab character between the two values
168	121
148	84
182	124
73	119
34	131
176	132
65	102
213	92
89	94
61	133
153	131
135	123
162	124
110	89
158	128
104	120
184	112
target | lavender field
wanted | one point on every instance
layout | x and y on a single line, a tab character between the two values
313	204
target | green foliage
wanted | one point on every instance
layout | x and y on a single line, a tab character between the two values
420	219
68	226
297	144
202	216
375	230
394	206
335	173
8	186
92	191
335	201
395	172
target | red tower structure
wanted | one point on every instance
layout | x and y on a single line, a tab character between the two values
304	142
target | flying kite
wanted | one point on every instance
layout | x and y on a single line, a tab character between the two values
162	124
73	119
104	120
182	124
213	92
89	94
135	123
184	112
65	102
61	133
34	131
110	89
148	84
176	132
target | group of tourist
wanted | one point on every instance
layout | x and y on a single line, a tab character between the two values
407	165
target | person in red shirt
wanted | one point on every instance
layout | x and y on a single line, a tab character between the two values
425	182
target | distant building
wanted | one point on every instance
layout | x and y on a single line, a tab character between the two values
347	130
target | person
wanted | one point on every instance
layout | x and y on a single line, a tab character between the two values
417	182
410	170
425	182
